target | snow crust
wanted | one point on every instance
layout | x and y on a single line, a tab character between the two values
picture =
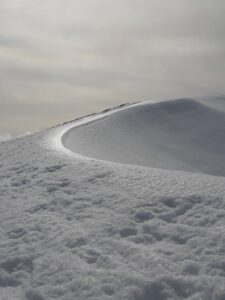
77	228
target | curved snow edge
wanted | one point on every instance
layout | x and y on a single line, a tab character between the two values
56	138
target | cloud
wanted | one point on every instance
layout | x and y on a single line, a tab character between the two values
60	60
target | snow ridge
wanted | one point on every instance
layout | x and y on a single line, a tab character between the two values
183	134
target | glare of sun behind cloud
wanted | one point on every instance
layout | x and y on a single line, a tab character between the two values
60	59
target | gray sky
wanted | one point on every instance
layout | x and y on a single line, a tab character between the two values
60	59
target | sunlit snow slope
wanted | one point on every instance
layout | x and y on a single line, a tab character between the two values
183	134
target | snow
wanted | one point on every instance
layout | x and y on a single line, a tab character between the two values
183	134
78	228
5	137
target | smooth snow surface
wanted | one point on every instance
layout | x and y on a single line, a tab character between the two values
183	134
77	228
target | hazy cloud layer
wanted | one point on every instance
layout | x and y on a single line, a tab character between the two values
62	59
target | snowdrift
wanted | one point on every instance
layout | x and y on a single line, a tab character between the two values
183	134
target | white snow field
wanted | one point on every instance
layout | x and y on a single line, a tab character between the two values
86	228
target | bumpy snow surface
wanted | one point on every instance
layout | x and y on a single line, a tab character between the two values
79	228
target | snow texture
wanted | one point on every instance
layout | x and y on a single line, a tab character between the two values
78	228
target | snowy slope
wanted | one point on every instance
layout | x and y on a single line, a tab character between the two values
77	228
184	134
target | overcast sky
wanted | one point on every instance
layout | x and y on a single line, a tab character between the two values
60	59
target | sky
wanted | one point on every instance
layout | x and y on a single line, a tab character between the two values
62	59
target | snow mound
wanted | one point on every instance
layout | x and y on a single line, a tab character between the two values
182	134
